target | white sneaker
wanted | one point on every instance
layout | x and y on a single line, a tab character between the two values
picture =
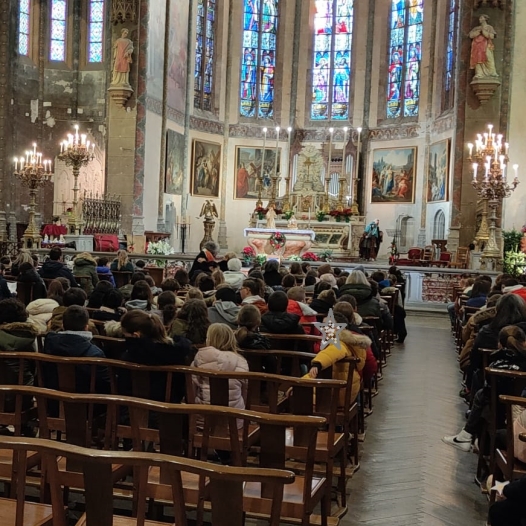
459	443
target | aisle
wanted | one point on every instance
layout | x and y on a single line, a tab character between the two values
408	476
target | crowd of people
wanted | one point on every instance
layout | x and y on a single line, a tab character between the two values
493	317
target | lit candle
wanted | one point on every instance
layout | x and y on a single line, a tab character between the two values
506	147
34	148
343	156
501	159
470	146
76	133
83	139
475	167
87	145
27	157
503	172
516	170
263	154
277	152
16	163
490	128
485	139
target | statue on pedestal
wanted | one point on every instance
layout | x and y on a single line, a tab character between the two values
271	217
482	59
122	52
209	211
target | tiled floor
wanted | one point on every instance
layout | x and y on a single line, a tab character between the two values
408	476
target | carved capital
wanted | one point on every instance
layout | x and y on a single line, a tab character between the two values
488	3
123	11
485	88
120	94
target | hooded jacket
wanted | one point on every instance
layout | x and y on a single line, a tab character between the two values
256	341
482	317
281	323
352	345
18	336
234	279
215	360
55	323
257	301
106	271
75	344
519	290
107	314
224	312
84	267
367	305
55	269
137	304
272	278
304	311
320	306
5	293
40	312
32	276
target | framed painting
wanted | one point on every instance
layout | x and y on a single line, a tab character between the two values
438	172
173	177
248	169
394	174
206	168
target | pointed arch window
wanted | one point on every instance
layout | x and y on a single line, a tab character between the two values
449	67
405	56
204	54
96	31
57	51
24	24
331	78
258	58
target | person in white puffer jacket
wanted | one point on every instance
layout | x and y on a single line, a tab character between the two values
40	312
220	354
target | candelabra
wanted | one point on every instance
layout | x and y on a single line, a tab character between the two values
76	151
34	173
490	152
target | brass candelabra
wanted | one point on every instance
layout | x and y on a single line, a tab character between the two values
491	153
76	151
34	173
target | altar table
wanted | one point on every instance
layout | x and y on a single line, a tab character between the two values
297	242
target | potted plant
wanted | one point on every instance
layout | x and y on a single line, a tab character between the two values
261	259
309	256
326	255
247	256
160	248
287	215
337	215
295	257
260	212
320	216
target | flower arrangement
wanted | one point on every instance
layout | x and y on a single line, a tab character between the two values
295	257
160	248
261	259
288	215
260	212
325	255
309	256
523	229
345	214
248	254
320	216
277	240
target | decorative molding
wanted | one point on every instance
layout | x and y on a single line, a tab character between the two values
120	94
391	134
443	124
247	131
154	105
477	4
123	11
175	115
207	126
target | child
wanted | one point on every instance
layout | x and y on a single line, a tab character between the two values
248	336
103	267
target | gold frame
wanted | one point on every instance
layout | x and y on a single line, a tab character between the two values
193	168
448	160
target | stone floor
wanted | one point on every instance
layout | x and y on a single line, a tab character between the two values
408	476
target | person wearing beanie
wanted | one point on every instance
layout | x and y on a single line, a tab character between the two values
233	276
224	310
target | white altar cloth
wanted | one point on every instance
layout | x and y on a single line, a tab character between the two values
283	231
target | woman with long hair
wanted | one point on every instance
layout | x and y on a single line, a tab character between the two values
122	263
248	335
166	304
192	322
141	297
24	256
55	291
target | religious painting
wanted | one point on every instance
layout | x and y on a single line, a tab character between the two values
177	54
394	174
206	168
173	180
438	172
248	170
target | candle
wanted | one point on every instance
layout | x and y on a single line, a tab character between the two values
506	148
263	154
309	213
22	164
16	163
344	170
475	167
83	139
34	148
490	128
470	146
516	170
485	139
76	134
87	145
277	152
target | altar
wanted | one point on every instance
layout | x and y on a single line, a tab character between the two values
297	242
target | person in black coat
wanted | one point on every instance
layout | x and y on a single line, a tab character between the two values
277	320
205	261
271	274
111	309
54	268
147	344
511	511
5	293
28	274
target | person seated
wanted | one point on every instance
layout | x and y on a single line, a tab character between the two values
330	279
311	278
24	256
306	267
5	293
220	354
95	300
141	297
205	261
72	296
85	266
233	276
6	261
153	287
499	280
224	310
466	284
191	322
74	341
122	263
126	290
166	304
148	344
287	283
40	311
250	295
510	510
28	274
257	275
324	269
297	305
512	286
351	346
320	287
347	298
277	320
181	276
194	294
271	274
479	293
206	285
324	302
295	270
218	277
223	264
103	267
248	335
111	307
172	285
54	268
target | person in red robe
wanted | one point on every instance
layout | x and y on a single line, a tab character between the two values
242	182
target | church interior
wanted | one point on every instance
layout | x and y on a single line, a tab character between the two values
228	229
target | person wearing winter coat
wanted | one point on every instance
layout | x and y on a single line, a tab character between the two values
111	309
220	354
298	306
148	344
510	511
250	295
28	274
141	297
5	293
40	312
85	266
248	335
271	274
233	276
103	267
54	268
122	263
73	296
95	300
324	302
352	345
277	320
224	309
74	341
191	322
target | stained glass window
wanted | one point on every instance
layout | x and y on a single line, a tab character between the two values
331	79
95	30
258	62
449	68
58	30
204	54
405	55
24	18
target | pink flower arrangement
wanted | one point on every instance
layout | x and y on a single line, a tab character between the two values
248	252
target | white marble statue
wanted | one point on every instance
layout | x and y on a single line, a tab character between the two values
482	59
122	52
271	217
293	223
